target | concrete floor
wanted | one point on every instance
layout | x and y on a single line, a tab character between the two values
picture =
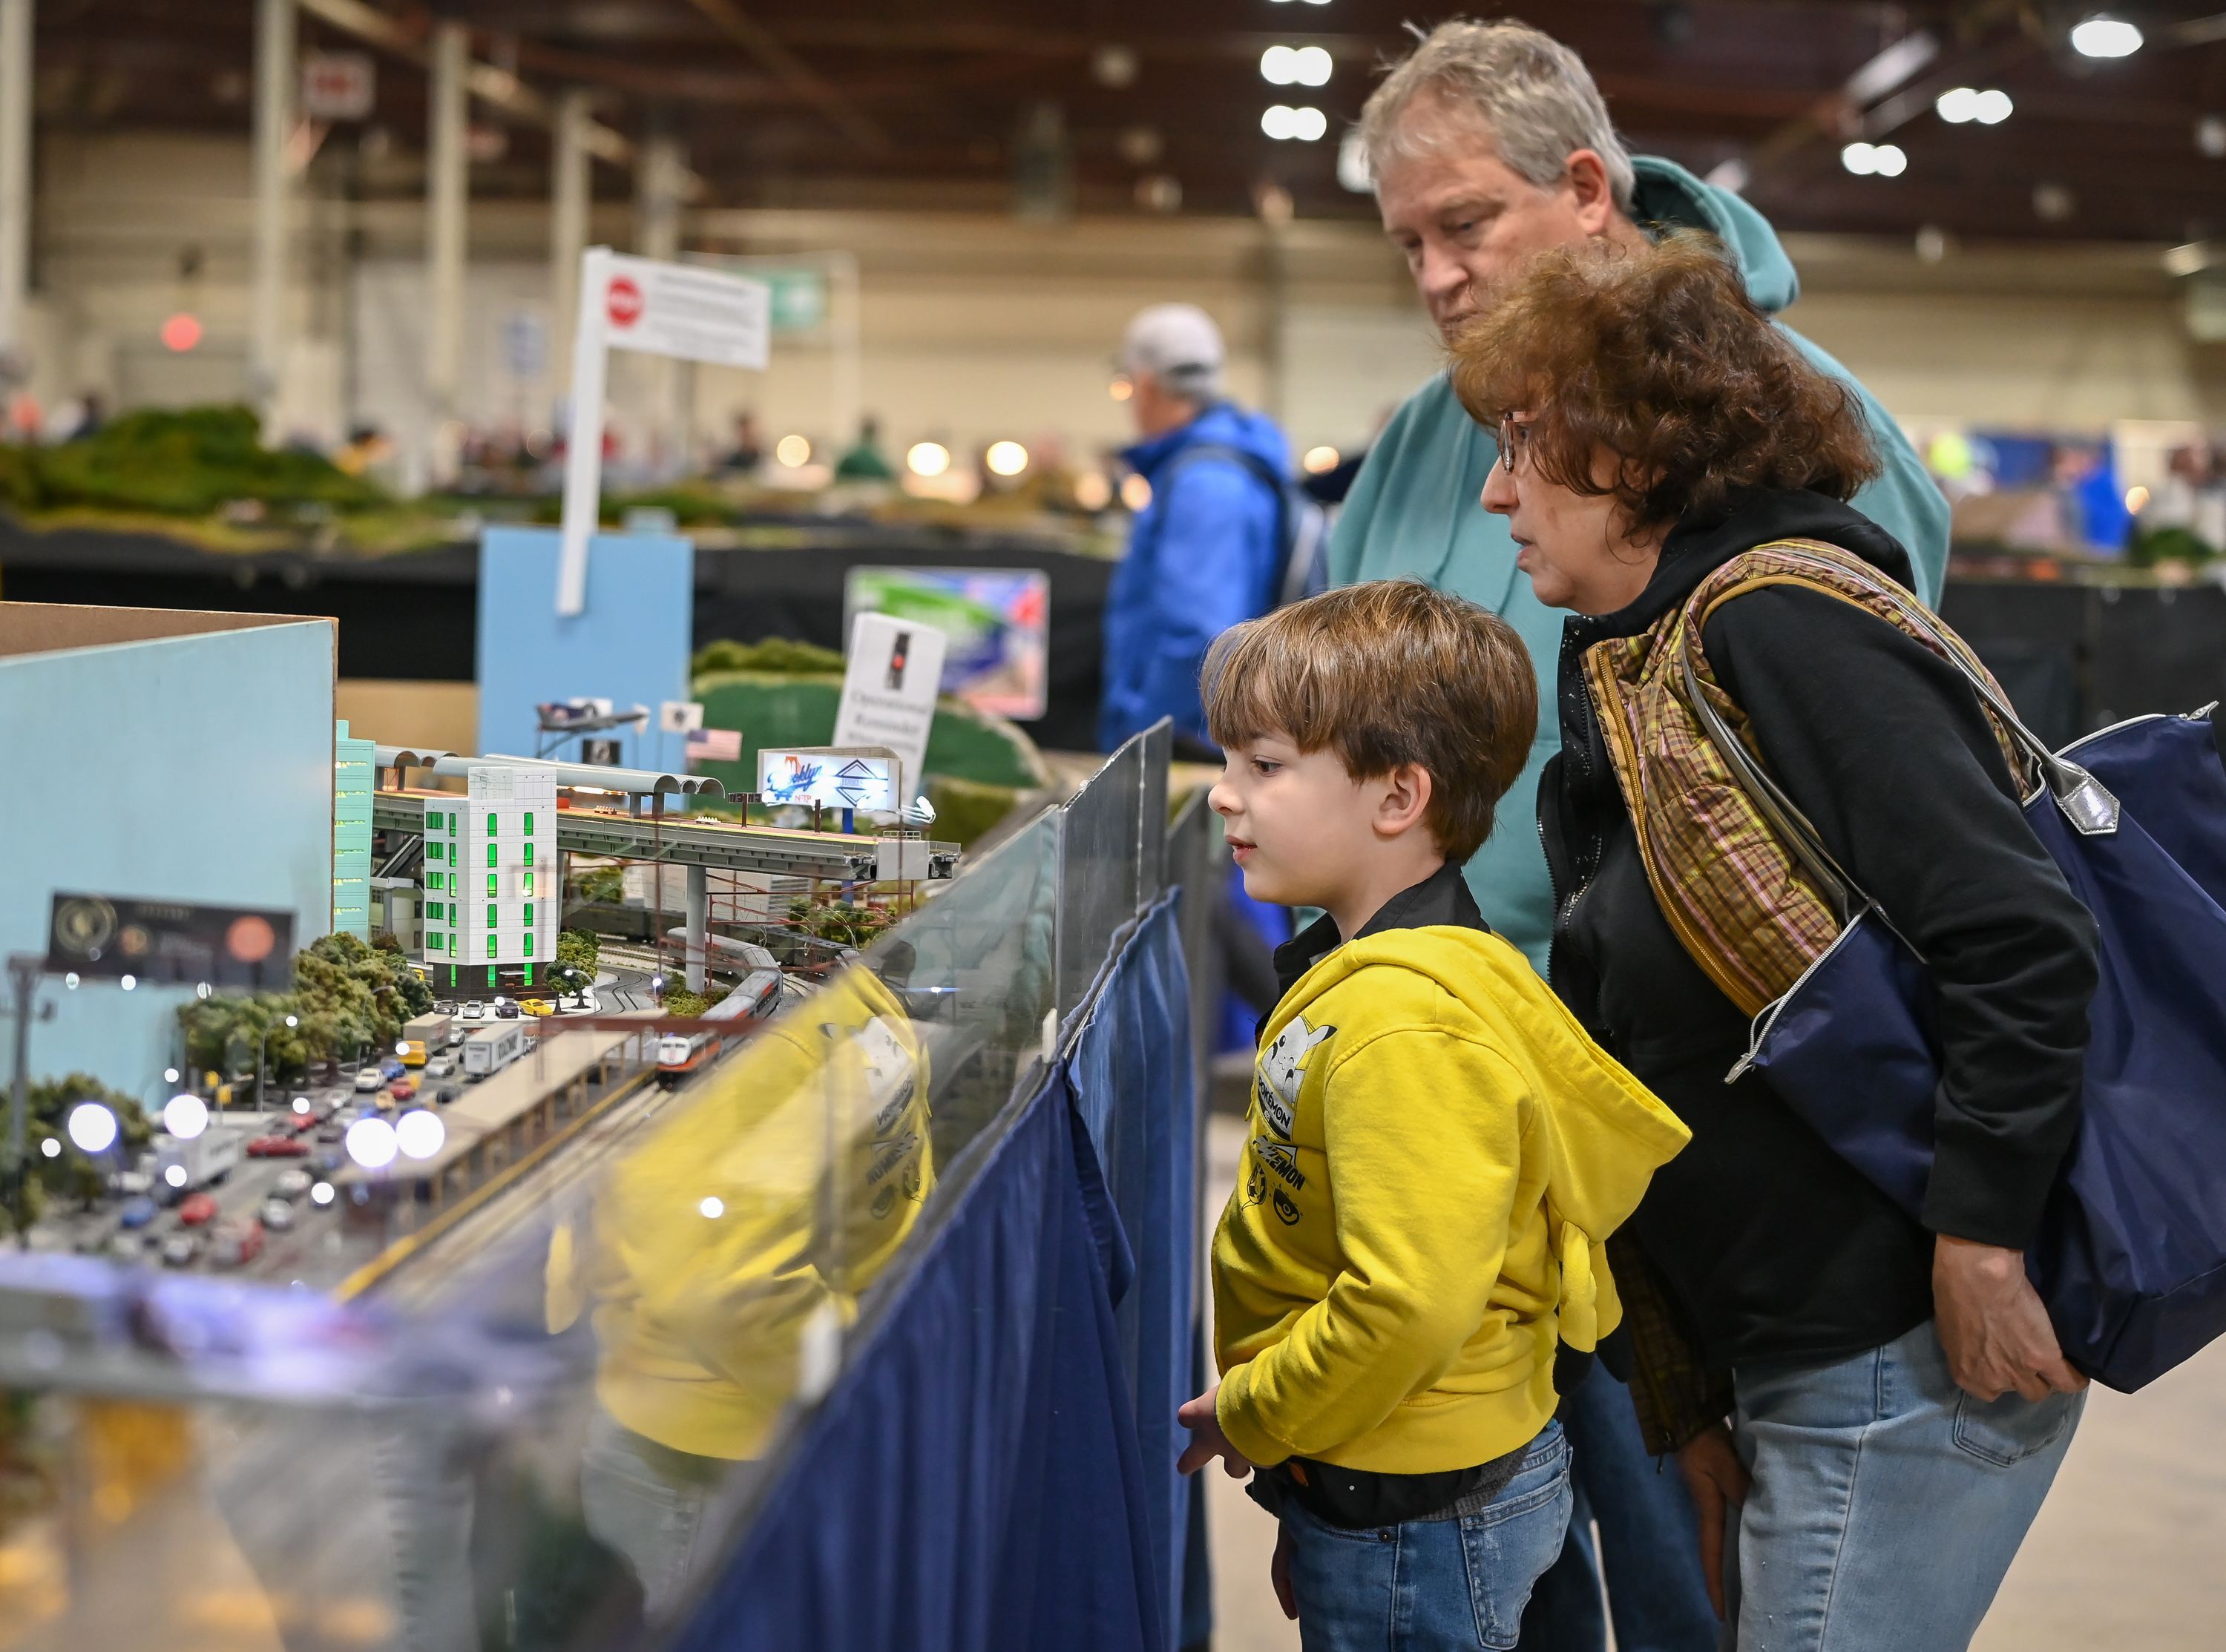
2129	1552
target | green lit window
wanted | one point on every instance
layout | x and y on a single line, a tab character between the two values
490	857
432	909
451	883
529	855
491	819
528	828
491	981
436	822
529	941
490	886
490	916
436	851
528	883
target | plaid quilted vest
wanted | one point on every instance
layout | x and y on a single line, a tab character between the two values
1736	897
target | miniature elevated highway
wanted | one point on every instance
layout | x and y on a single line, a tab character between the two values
839	856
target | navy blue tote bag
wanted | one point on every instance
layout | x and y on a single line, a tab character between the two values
2131	1256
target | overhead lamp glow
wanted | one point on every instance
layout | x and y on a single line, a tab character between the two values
1957	104
1874	160
174	1176
52	1149
185	1116
1311	66
322	1193
419	1133
169	1075
1319	460
1278	121
1135	491
92	1126
1278	66
1993	107
371	1143
2103	36
793	451
711	1207
128	982
1006	458
927	459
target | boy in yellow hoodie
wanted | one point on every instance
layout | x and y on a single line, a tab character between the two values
1436	1152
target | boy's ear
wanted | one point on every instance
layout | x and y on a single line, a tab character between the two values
1407	792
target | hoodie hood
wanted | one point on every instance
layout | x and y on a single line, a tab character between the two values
1665	196
1223	425
1607	1134
1696	550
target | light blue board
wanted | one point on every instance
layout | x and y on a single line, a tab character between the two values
183	768
630	645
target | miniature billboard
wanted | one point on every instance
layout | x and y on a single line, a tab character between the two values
996	621
856	777
111	937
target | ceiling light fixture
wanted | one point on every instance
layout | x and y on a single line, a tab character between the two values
2103	36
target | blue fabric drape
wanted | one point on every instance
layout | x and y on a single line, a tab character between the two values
1131	1071
972	1480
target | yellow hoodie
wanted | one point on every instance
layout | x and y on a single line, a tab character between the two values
1436	1153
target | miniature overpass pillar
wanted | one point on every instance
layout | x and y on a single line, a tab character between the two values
699	903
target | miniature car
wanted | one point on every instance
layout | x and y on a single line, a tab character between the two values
276	1215
179	1248
136	1212
277	1147
389	1067
403	1088
443	1094
291	1185
535	1007
368	1080
331	1130
193	1210
472	1011
506	1010
236	1243
124	1247
441	1067
444	1007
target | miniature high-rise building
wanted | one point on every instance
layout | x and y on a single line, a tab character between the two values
492	903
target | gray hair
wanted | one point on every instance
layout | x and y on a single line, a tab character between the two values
1532	95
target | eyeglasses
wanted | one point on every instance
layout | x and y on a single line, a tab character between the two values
1514	438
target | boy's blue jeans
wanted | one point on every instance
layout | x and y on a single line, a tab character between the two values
1432	1586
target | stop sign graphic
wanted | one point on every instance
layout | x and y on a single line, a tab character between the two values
623	299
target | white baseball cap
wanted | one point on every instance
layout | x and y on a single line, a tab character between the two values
1178	345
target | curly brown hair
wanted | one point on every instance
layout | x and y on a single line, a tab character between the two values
1655	359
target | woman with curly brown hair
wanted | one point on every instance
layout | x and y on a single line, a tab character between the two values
1868	1407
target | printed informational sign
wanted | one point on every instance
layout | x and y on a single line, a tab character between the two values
832	777
338	85
110	937
684	310
665	309
678	716
889	685
995	621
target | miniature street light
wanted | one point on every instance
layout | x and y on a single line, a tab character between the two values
371	1143
185	1116
92	1126
419	1133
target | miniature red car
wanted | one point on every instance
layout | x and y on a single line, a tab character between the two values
402	1089
277	1147
195	1209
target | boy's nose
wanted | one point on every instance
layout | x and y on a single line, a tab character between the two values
1220	801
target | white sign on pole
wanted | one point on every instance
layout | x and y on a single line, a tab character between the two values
338	85
678	716
889	687
660	308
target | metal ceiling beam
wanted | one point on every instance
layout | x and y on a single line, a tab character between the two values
769	49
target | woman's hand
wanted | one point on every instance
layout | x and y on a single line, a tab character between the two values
1718	1481
1992	1325
1207	1439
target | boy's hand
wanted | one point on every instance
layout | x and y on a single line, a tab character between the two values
1207	1439
1279	1573
1718	1481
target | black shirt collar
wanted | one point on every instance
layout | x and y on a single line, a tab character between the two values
1442	898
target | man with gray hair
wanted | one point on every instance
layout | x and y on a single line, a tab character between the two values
1488	144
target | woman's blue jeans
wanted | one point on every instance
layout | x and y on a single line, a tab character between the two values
1887	1503
1432	1586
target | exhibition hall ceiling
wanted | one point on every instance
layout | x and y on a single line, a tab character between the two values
1162	105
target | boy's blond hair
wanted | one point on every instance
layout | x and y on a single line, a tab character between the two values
1384	674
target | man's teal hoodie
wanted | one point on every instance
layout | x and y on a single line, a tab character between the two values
1413	512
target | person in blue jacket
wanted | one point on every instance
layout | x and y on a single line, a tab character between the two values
1490	143
1206	552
